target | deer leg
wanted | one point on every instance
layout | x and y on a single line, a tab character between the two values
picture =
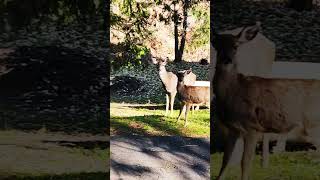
265	150
186	114
182	109
281	143
229	147
192	108
167	104
172	97
250	142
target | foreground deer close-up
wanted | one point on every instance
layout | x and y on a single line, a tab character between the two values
250	105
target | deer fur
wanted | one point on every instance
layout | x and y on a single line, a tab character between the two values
190	95
191	80
248	105
169	81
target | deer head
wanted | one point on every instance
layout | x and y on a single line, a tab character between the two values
182	74
227	45
160	61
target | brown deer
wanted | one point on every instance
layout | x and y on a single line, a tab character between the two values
190	95
248	105
191	80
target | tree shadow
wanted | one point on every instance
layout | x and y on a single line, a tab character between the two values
157	107
154	121
124	168
192	155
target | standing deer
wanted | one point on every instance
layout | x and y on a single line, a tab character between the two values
190	95
248	106
169	81
191	80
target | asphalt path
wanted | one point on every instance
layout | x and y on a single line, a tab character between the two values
159	157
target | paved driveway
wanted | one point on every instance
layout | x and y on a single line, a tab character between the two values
163	157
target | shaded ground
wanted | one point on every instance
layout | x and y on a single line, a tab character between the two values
39	154
159	157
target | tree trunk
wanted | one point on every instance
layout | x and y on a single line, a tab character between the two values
184	33
176	36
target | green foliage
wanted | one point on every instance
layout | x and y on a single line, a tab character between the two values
132	20
19	14
133	27
201	34
131	57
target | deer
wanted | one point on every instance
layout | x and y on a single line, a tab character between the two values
248	106
191	80
169	82
190	95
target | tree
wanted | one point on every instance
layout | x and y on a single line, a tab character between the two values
134	27
16	14
178	12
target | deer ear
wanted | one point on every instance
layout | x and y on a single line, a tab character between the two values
249	33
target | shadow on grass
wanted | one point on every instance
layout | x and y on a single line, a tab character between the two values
136	99
154	121
157	107
75	176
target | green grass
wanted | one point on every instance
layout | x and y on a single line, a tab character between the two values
150	120
284	166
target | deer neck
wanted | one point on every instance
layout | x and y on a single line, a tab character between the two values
162	72
180	85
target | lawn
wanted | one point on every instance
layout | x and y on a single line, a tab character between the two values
149	119
285	166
